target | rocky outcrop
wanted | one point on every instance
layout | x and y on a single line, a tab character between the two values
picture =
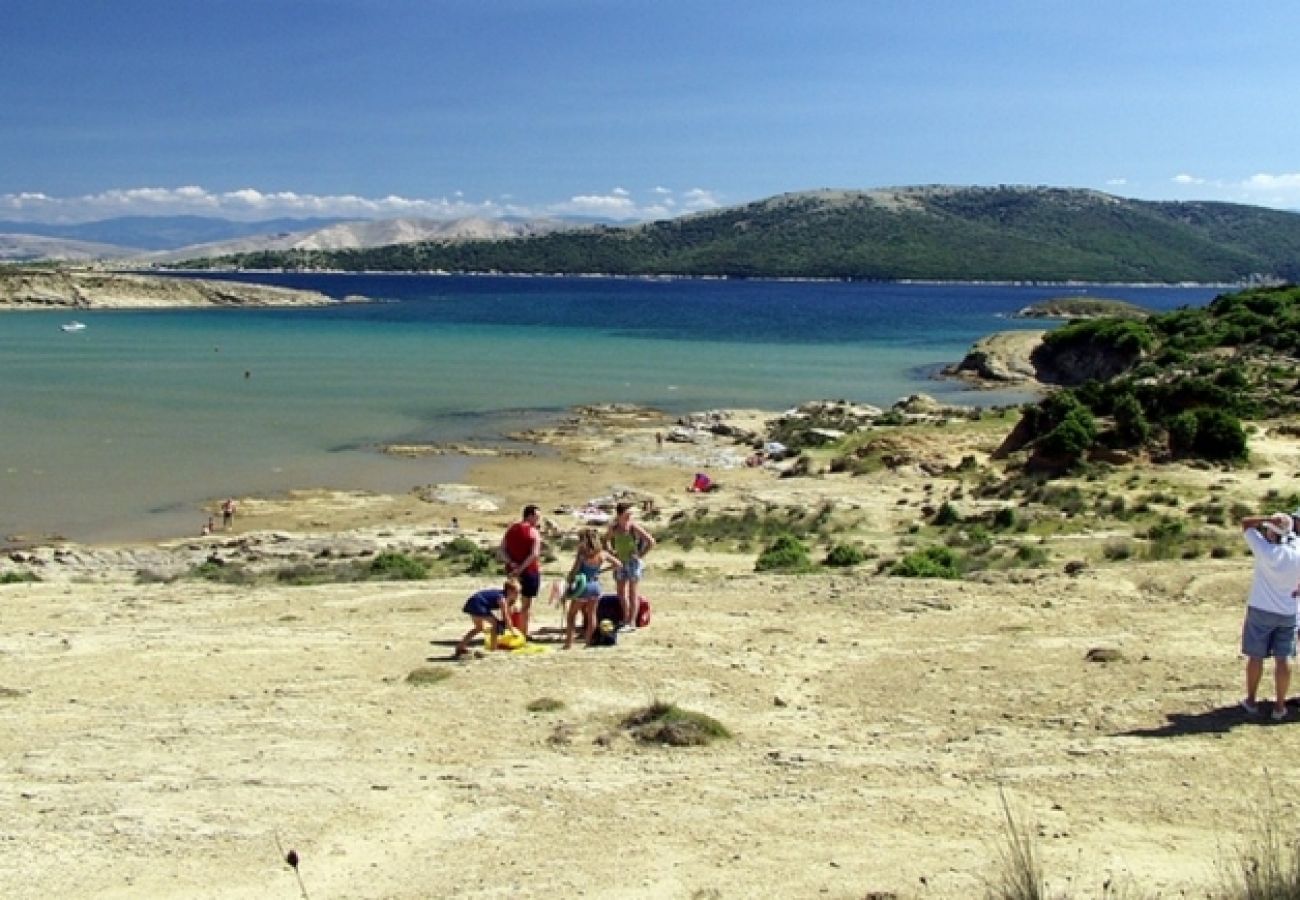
1001	358
86	289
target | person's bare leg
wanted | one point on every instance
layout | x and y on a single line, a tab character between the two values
1281	680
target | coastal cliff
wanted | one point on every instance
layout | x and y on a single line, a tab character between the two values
85	289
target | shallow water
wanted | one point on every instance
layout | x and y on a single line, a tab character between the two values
121	431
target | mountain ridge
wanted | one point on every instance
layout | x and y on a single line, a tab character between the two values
930	232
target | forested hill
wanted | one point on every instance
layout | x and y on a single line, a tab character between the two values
942	233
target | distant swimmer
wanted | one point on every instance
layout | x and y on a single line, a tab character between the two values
248	374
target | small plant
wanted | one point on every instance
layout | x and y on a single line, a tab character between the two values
667	723
15	577
1020	875
786	553
947	515
397	567
931	562
427	675
544	705
1267	866
844	555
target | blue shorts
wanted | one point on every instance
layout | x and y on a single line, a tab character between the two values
530	584
1267	634
630	570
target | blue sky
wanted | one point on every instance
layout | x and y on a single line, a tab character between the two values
377	108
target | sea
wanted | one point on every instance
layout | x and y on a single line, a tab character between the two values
128	429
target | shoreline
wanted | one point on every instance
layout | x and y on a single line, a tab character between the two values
152	710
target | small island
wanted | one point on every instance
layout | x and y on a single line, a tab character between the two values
62	288
1073	307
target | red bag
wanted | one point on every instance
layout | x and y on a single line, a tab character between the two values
642	612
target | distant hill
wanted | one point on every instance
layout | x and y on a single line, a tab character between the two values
933	232
21	248
136	233
352	235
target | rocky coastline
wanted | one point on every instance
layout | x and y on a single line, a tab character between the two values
66	288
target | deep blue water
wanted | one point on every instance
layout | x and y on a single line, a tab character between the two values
123	430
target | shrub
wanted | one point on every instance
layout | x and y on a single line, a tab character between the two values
1004	518
844	555
787	553
930	562
397	567
667	723
16	577
946	515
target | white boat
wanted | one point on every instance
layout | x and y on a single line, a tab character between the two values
74	325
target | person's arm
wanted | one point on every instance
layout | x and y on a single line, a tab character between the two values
1250	522
534	553
644	541
505	612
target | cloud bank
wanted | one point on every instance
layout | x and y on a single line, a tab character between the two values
250	204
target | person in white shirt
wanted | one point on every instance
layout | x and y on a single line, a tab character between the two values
1270	626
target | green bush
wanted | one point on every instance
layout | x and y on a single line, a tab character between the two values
844	555
946	515
397	567
14	577
786	553
931	562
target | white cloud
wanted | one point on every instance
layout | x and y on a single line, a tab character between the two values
249	203
700	199
1116	182
1188	179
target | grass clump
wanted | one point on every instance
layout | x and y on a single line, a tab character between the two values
16	577
397	567
930	562
427	675
667	723
844	555
1267	866
464	554
787	553
219	572
1020	874
544	705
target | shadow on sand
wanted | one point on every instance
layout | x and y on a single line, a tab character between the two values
1215	721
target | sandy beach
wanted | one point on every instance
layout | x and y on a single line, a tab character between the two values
168	736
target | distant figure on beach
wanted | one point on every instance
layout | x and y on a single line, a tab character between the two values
489	609
590	560
455	524
209	526
630	543
1270	626
228	507
659	439
521	551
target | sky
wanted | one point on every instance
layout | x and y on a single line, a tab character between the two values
630	109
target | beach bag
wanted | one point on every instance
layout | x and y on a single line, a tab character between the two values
609	608
642	612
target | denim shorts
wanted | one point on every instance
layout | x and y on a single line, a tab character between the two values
1267	634
630	570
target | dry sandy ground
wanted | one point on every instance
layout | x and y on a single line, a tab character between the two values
169	740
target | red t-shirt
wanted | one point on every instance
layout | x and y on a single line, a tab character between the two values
519	540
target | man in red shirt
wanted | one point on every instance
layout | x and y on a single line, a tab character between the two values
521	551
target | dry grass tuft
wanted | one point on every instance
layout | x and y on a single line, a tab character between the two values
666	723
427	675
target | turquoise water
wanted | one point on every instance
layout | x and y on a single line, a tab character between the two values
123	430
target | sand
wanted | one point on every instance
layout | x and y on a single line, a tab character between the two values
174	738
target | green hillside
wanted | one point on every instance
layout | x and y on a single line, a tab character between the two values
942	233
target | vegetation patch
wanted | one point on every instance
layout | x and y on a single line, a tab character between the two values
930	562
667	723
18	577
787	554
426	675
545	705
